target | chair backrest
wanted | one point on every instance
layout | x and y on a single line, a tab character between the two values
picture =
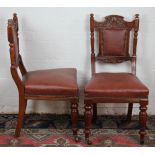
113	40
13	40
16	60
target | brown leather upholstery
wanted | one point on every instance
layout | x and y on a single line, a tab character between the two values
51	82
115	85
114	42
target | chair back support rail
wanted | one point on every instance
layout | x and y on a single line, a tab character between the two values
16	59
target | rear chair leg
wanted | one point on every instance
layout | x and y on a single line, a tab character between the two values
129	115
22	108
74	119
25	105
94	111
143	119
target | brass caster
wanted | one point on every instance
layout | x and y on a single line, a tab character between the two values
88	141
142	142
76	138
16	135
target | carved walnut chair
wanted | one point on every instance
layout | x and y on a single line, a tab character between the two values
113	42
53	84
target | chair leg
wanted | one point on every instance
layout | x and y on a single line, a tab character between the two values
22	108
94	111
129	115
74	118
25	106
88	121
143	120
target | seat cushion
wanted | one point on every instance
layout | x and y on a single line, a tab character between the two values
61	81
115	85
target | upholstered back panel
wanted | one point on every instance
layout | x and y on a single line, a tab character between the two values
113	42
113	38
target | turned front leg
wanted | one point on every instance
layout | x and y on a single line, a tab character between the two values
74	118
143	120
88	121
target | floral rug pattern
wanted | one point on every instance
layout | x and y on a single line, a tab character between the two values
55	130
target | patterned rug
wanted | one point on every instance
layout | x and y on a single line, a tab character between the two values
55	130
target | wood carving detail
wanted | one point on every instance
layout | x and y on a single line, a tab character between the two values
113	59
112	21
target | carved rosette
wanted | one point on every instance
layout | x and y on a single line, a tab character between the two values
112	21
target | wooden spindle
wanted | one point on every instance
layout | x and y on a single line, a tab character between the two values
92	43
136	28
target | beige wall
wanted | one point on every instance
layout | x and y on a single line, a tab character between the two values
59	37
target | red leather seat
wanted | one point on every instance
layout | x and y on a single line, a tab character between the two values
61	81
115	85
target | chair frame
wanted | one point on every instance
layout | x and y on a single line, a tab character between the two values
114	21
23	97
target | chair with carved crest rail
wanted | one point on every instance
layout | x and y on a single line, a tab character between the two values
53	84
114	41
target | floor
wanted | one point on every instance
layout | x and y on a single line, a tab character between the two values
55	130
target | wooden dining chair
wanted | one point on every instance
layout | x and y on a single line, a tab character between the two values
113	40
52	84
